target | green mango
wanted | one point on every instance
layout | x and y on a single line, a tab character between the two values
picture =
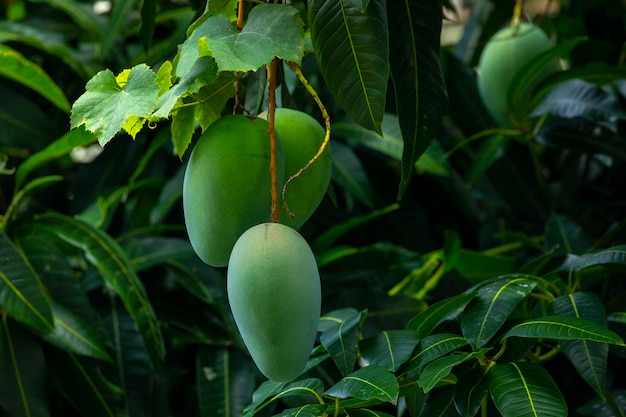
274	293
302	137
227	185
504	54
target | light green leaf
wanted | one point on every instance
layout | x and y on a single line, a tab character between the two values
352	48
433	347
389	349
525	390
426	321
271	30
420	92
370	382
110	102
589	358
564	328
19	69
224	380
22	295
65	144
183	127
441	367
22	372
116	269
491	307
340	336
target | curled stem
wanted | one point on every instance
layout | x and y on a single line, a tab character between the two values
309	88
271	110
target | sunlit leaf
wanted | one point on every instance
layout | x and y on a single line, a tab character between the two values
369	382
270	31
109	103
564	328
351	46
525	390
491	307
389	349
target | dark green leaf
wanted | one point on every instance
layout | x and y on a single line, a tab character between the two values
119	15
22	372
116	269
365	412
564	328
440	402
601	408
565	236
309	410
266	390
582	135
60	147
525	390
589	358
369	382
148	24
148	251
433	347
421	98
22	295
491	307
615	256
348	172
478	265
19	69
352	48
340	336
577	98
270	31
441	367
470	389
426	321
82	383
389	349
225	382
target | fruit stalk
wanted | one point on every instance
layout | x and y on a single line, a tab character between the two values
237	106
517	12
271	110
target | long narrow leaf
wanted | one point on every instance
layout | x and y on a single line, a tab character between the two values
370	382
118	273
426	321
22	295
351	45
22	372
525	390
433	347
421	98
340	337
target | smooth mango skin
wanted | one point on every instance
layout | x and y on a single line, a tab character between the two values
505	53
274	292
226	188
302	136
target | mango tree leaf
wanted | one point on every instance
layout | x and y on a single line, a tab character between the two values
440	402
308	410
309	389
589	358
564	328
421	98
426	321
348	172
110	103
225	381
470	389
352	48
64	145
525	390
147	26
340	336
564	235
441	367
491	307
601	408
116	269
433	347
615	256
271	30
81	14
82	383
22	295
147	251
22	372
365	412
16	67
389	349
266	390
475	265
119	16
372	381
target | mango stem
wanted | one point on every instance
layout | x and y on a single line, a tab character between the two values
517	12
271	111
